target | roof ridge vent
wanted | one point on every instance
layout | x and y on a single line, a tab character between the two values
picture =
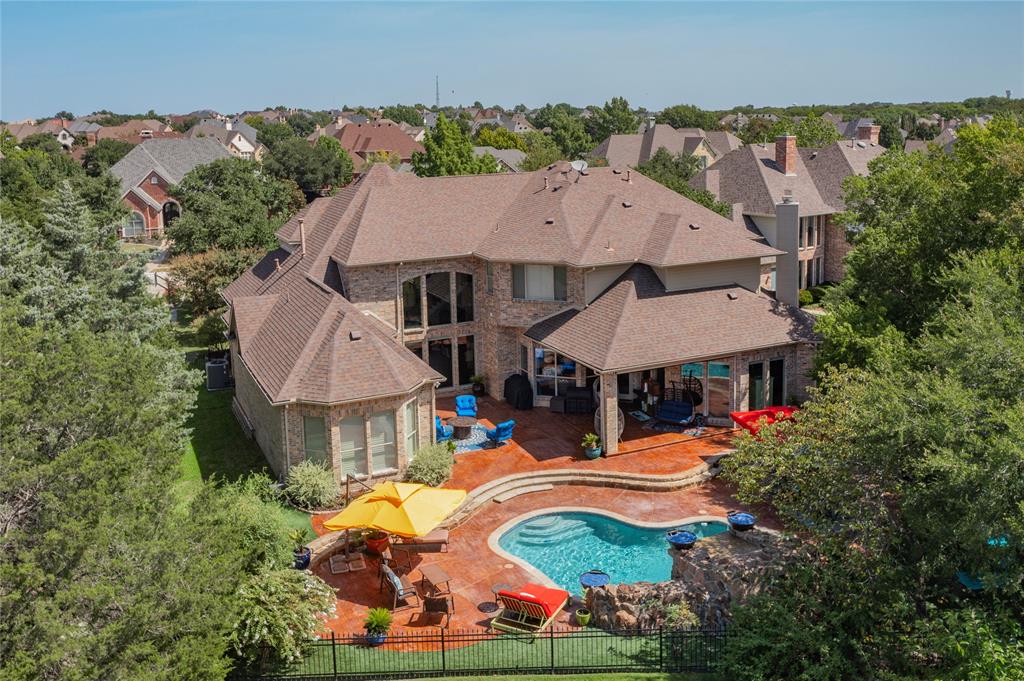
731	296
355	334
627	204
694	226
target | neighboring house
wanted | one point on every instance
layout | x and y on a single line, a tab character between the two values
135	130
757	177
233	140
58	127
147	171
632	150
86	130
416	132
398	288
513	123
944	140
430	119
508	160
362	139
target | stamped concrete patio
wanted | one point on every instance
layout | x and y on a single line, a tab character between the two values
541	441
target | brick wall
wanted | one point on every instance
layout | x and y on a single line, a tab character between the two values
265	418
836	249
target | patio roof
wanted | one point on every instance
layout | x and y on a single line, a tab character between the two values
637	324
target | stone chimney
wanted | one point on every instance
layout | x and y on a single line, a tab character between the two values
869	133
787	265
785	153
711	181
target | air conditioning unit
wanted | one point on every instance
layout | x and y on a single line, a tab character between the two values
218	375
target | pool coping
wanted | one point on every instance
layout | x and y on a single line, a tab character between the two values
540	577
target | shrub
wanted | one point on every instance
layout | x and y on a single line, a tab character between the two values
806	297
312	485
281	611
256	521
679	616
431	466
378	621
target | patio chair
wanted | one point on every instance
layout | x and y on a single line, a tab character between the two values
500	433
401	588
465	405
396	558
528	610
439	605
443	432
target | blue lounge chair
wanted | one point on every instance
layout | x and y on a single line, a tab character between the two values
679	413
443	432
501	432
465	405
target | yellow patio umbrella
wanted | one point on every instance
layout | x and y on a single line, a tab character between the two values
403	508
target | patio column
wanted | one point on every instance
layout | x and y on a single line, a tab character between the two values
609	407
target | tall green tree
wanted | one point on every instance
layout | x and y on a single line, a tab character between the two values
571	136
449	151
814	131
675	171
103	155
688	116
499	138
889	136
614	118
400	113
314	168
230	203
541	151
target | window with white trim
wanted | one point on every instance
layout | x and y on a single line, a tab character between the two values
412	441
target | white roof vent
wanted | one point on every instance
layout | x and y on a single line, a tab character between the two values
627	204
862	145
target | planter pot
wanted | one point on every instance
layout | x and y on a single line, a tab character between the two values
592	452
681	539
378	546
741	522
302	558
582	617
478	389
375	639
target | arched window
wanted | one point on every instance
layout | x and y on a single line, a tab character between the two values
135	225
171	212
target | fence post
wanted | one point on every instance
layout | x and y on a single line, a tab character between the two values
661	651
334	655
443	665
551	637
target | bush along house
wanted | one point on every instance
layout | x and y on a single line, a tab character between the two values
399	288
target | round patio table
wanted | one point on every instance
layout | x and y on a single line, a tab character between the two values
594	578
462	426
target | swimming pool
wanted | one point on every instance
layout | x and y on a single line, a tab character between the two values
565	544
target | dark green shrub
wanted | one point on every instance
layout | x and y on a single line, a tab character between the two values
312	485
806	298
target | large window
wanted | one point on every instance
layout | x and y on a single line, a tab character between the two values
755	373
538	282
719	385
135	226
466	358
463	297
439	357
314	439
554	374
412	313
412	441
353	445
383	451
439	299
777	382
439	303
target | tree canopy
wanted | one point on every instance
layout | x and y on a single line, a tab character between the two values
400	113
449	151
688	116
499	138
313	168
230	203
614	118
674	171
104	154
541	151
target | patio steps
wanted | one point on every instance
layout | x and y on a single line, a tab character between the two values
510	486
517	491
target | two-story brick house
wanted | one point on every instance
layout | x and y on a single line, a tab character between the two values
398	288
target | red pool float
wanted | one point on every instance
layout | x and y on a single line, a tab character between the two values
753	420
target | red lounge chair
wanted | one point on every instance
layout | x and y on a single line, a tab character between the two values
530	609
751	420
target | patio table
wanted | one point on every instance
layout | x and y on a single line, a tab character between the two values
434	578
462	427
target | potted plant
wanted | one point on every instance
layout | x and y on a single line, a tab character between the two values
377	625
478	384
591	446
377	542
582	617
302	553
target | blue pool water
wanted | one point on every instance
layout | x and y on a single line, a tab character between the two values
565	545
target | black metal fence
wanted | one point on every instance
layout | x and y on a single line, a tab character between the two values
457	652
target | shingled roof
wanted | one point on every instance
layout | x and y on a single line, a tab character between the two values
171	158
830	165
554	215
636	323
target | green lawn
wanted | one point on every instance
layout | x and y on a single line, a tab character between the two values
218	447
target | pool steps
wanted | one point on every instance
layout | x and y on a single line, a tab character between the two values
510	486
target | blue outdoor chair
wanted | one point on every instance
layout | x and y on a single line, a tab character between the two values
500	433
443	432
465	405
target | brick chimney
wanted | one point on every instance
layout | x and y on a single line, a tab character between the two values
869	133
785	153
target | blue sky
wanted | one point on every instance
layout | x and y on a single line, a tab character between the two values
177	57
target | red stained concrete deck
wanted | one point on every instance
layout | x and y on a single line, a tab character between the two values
475	568
542	440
